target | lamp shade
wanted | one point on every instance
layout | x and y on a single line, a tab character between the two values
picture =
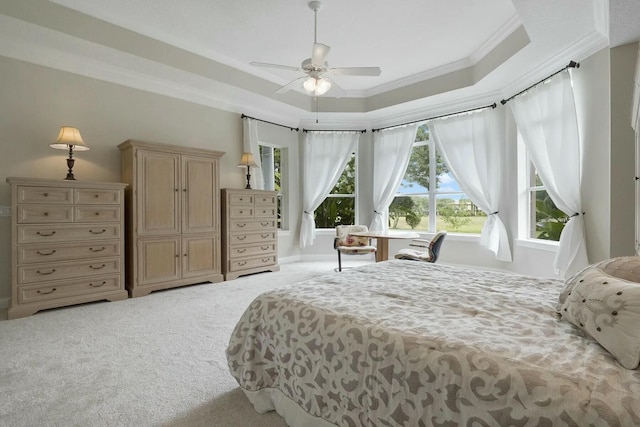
247	160
318	86
69	137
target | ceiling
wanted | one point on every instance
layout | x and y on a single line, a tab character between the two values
434	55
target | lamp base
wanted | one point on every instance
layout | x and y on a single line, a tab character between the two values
248	187
70	162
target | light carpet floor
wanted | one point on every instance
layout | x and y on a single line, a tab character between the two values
157	360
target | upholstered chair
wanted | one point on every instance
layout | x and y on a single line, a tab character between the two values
345	243
432	247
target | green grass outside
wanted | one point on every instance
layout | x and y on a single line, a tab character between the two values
474	227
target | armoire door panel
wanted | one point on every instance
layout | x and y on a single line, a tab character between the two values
200	192
159	199
200	255
158	260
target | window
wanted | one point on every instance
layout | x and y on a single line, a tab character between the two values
429	198
541	219
339	208
272	159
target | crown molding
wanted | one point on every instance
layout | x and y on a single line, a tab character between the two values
580	50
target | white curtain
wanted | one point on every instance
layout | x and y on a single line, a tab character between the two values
250	134
635	109
472	146
325	155
391	153
546	117
635	123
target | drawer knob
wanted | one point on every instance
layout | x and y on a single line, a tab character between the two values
264	236
97	232
265	259
264	248
46	194
241	237
46	214
242	263
241	225
93	285
42	273
98	267
97	249
264	224
241	251
53	251
97	213
96	196
41	292
45	235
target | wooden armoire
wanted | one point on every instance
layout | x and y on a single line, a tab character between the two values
172	216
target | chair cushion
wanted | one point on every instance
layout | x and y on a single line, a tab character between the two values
413	254
345	239
353	250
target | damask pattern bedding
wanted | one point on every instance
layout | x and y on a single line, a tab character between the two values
404	343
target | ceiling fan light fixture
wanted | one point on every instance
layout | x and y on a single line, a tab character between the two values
317	86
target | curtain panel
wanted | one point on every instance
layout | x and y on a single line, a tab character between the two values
391	154
325	155
251	145
547	120
472	146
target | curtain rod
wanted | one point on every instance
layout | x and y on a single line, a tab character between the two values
572	64
271	123
494	105
334	130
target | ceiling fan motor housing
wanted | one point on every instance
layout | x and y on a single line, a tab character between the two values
315	5
308	66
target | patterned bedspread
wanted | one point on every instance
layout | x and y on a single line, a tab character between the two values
404	343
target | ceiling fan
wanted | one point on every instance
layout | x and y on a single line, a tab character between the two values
317	70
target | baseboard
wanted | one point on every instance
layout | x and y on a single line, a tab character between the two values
4	303
289	259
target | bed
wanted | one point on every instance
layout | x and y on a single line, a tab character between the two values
405	343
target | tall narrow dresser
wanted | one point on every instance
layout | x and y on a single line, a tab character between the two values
67	243
173	215
250	232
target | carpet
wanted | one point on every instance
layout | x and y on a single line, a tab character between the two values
157	360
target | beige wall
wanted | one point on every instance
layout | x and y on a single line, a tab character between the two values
36	101
623	66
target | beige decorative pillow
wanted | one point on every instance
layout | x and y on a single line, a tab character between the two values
626	267
608	309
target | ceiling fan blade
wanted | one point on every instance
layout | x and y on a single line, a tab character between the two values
355	71
290	85
319	53
282	67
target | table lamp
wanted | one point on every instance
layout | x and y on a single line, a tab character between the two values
247	160
69	139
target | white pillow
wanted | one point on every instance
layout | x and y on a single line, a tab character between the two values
608	309
626	267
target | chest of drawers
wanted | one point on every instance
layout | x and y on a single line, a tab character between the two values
249	235
67	243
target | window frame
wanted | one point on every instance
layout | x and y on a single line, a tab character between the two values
433	192
354	195
527	189
282	194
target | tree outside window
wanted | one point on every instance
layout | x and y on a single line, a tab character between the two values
339	208
546	221
429	198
